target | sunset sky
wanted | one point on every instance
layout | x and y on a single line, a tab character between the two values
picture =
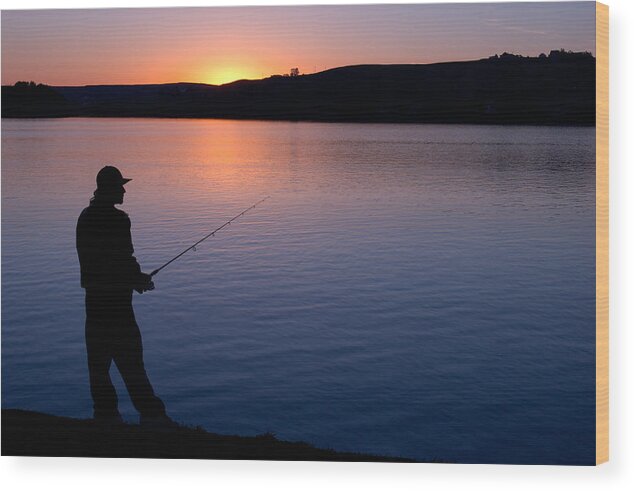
221	44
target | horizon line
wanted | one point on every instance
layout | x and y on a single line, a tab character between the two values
301	74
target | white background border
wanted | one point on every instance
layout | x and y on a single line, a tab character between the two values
55	474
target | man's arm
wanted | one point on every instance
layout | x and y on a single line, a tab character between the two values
128	264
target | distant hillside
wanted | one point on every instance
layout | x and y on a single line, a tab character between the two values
30	100
507	89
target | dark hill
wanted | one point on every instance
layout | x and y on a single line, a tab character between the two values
28	100
28	433
558	89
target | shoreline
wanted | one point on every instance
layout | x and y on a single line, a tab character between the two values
36	434
558	89
322	121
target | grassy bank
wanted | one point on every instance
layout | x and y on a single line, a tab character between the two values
29	433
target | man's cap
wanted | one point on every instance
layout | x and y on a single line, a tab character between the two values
109	177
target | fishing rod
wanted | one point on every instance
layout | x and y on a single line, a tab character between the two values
211	234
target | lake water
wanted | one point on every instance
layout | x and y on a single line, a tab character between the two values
424	291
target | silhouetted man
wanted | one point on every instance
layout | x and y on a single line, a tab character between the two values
109	273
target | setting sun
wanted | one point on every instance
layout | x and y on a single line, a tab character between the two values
225	74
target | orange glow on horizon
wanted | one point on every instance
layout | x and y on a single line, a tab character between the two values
218	45
224	74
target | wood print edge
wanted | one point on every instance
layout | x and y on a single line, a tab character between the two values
602	234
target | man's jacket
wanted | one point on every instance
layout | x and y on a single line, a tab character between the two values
104	246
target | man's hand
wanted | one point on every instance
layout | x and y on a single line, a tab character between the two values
145	283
